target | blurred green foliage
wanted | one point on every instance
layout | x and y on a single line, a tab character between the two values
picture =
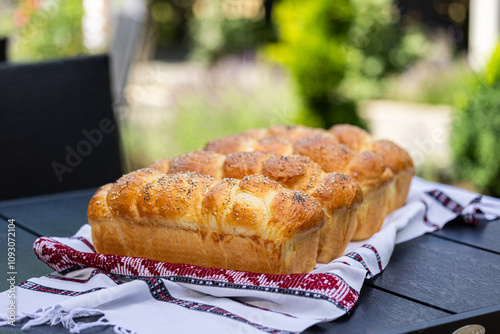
216	31
475	138
47	30
492	74
6	25
339	52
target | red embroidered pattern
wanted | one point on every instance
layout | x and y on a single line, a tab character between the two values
356	257
445	200
426	219
327	287
47	289
82	281
377	255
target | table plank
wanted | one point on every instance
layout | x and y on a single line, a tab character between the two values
443	273
487	317
485	235
27	265
377	311
50	215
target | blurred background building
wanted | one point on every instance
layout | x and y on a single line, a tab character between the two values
423	73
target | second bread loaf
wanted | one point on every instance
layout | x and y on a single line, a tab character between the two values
366	167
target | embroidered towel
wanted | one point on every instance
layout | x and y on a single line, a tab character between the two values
136	295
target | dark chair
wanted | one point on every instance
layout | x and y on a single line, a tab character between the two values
57	127
3	49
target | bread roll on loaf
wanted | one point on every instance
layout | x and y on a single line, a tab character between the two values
366	168
338	194
396	158
253	224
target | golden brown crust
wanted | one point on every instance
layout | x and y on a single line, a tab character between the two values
369	171
206	216
342	197
332	149
176	196
352	136
337	193
275	145
161	165
381	168
203	162
219	200
238	165
371	214
292	171
326	152
123	195
293	211
397	159
296	132
400	162
98	210
98	207
242	142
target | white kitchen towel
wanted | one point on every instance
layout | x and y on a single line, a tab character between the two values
136	295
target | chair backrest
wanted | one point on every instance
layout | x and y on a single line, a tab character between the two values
3	49
129	19
57	127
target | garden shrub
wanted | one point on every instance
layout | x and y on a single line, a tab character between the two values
339	51
492	74
475	138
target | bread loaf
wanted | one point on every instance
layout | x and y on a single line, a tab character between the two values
338	194
382	169
253	224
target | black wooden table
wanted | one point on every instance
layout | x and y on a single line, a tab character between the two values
436	283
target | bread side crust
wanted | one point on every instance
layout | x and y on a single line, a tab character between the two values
172	244
371	214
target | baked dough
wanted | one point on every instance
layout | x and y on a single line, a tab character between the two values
382	169
253	224
339	195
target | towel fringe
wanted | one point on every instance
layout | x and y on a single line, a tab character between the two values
55	315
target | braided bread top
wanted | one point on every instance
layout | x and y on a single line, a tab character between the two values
334	191
253	207
340	140
368	167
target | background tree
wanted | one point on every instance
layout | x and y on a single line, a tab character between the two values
338	51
